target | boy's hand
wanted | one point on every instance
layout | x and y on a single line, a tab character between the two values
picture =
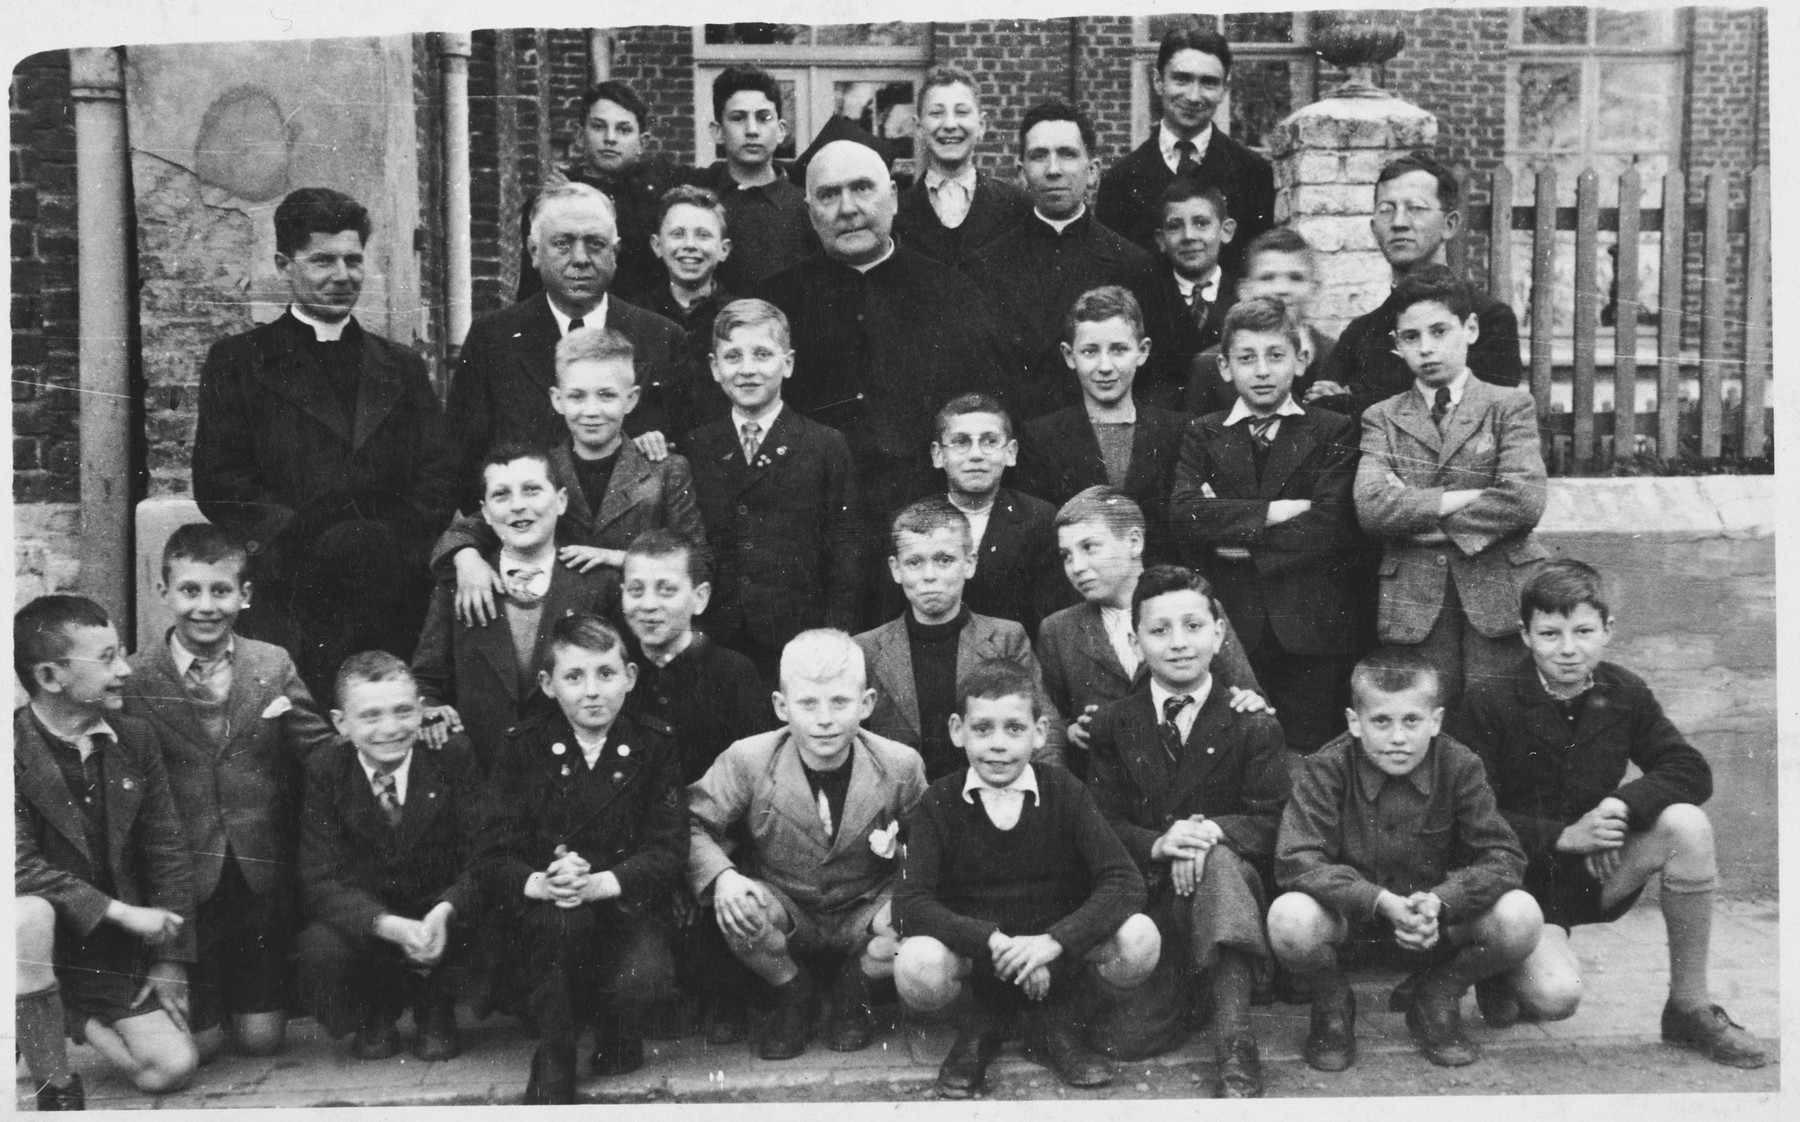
1281	510
600	886
476	586
587	558
434	933
1036	984
1602	865
1185	873
167	982
1081	728
740	904
1398	913
1454	501
1394	482
1425	909
653	446
1599	829
1187	838
155	926
1323	388
441	722
407	934
1248	701
1024	954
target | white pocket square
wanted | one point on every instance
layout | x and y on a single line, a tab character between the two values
276	708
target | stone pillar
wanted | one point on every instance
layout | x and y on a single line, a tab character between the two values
104	233
1327	156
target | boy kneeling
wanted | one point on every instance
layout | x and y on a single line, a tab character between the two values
1026	889
1391	803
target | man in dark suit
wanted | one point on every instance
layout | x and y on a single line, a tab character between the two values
324	446
387	851
1192	69
1416	215
954	209
1034	273
500	392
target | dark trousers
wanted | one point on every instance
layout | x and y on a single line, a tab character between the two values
591	961
243	951
345	980
1309	693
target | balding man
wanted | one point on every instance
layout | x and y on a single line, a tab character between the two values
501	389
882	334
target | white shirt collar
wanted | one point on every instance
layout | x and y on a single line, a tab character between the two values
1166	141
184	658
889	253
1457	385
1158	695
767	421
1240	411
1060	224
966	178
323	330
1117	624
595	318
400	774
1025	781
590	752
96	725
1209	288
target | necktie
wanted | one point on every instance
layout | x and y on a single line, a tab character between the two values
1259	431
1187	163
576	324
201	680
1170	732
825	815
387	794
519	585
1440	405
1201	308
752	441
951	201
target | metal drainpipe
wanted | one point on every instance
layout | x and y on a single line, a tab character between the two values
454	51
103	232
600	49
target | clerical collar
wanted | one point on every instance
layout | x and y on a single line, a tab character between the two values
885	254
1209	288
595	318
1060	224
1166	140
1456	385
324	331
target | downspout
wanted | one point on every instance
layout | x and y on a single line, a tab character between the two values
454	51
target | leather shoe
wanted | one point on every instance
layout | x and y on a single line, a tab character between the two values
437	1038
69	1096
850	1025
1405	993
1054	1042
1240	1068
1714	1035
1498	1002
552	1076
964	1070
1331	1045
618	1047
1435	1018
727	1021
377	1039
790	1022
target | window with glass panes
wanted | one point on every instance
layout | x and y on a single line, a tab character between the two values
1273	71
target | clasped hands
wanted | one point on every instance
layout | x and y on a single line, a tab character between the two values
1599	836
1184	846
423	941
1024	960
1415	918
569	881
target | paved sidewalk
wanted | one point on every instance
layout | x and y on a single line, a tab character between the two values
1625	966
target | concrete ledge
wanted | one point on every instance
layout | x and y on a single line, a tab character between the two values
1681	508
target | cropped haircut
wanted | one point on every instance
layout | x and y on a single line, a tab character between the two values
993	679
1193	38
821	654
594	344
1160	580
317	210
663	542
940	76
1097	305
928	516
206	544
1392	670
740	314
741	79
963	404
560	192
689	195
1281	239
620	95
41	631
1109	506
1434	284
1560	587
1181	190
1448	192
584	632
505	453
369	666
1262	314
1056	110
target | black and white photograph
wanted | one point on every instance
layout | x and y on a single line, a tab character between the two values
997	558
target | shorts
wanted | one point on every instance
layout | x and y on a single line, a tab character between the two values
845	930
1569	895
100	976
243	952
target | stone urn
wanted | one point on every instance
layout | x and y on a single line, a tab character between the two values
1358	45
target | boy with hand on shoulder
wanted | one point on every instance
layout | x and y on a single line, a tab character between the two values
1263	503
483	680
778	494
585	836
102	878
1011	875
237	724
1452	480
1113	437
387	856
914	661
821	802
1392	849
1195	791
615	491
1592	836
1086	651
1278	265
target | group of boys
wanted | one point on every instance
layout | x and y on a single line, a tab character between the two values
1025	738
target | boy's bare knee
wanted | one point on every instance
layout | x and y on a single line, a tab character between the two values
261	1034
1687	826
34	943
171	1069
1518	921
925	973
1299	926
1140	948
209	1044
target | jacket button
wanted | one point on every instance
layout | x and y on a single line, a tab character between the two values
743	509
1442	560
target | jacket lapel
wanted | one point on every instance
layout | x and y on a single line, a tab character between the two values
793	798
494	644
621	491
893	671
1082	445
577	523
1147	760
378	390
288	371
1294	442
165	694
775	448
1206	744
1411	416
1098	646
425	794
124	794
249	686
1464	419
41	783
1002	541
862	802
535	356
1236	460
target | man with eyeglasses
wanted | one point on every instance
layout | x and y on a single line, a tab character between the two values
500	392
1416	216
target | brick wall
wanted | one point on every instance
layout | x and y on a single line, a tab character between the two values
658	62
1103	62
46	448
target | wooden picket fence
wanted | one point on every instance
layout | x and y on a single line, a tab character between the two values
1587	441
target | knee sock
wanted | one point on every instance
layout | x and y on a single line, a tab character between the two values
40	1026
1687	914
1231	978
